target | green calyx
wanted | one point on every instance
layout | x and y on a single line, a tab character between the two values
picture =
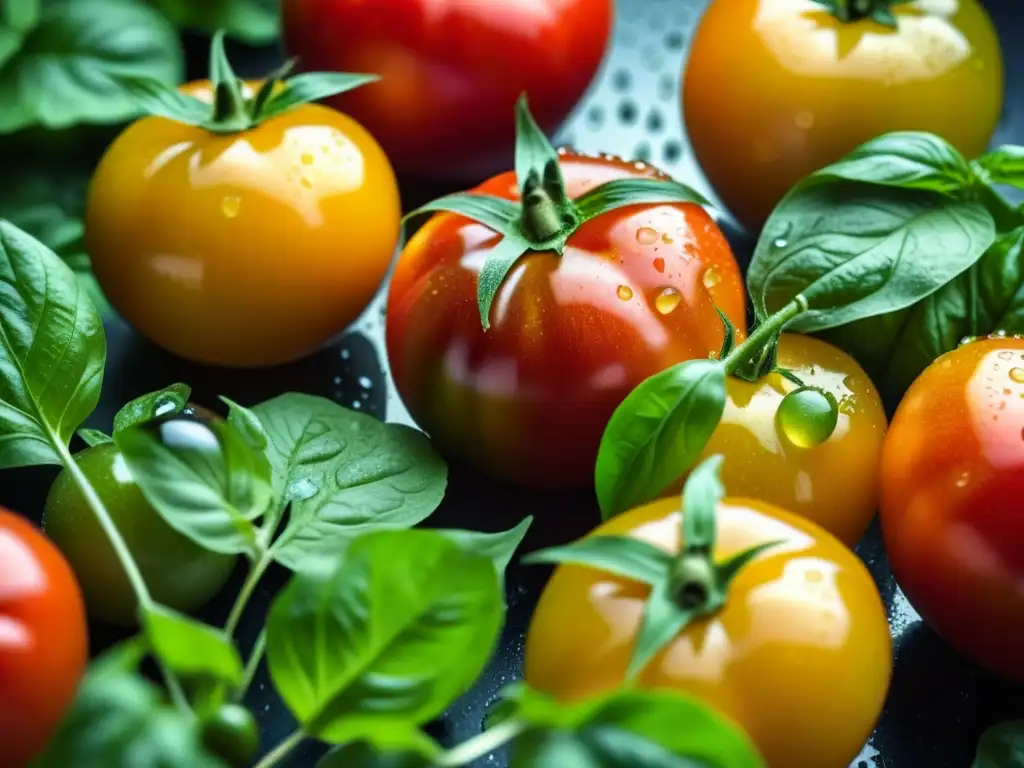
232	111
879	11
684	587
545	217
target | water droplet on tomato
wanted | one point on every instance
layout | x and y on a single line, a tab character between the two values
1005	355
1017	375
967	340
659	264
666	301
625	292
307	159
804	120
666	239
306	183
963	479
230	205
807	417
646	236
711	278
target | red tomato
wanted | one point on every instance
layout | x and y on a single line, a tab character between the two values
952	497
452	70
570	337
43	640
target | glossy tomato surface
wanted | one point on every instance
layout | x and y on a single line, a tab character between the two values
43	640
776	89
799	657
245	249
834	484
570	336
452	70
952	499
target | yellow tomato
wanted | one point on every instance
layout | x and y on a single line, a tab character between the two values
243	249
776	89
799	657
834	484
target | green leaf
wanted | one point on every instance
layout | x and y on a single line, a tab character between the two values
1004	165
498	547
52	352
345	474
118	720
909	160
93	437
191	648
64	73
657	433
248	425
496	213
663	620
252	21
536	159
617	555
896	347
312	86
17	19
1001	746
154	97
624	192
203	479
701	494
500	260
856	250
402	627
164	402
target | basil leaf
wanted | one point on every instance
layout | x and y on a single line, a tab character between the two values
402	627
52	351
164	402
1001	746
248	425
895	348
191	648
63	74
856	250
497	547
93	437
51	225
252	21
905	159
345	474
17	19
1004	165
657	433
203	479
616	555
118	720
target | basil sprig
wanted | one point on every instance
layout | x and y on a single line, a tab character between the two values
545	218
1001	746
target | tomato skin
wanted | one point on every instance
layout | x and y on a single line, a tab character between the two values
800	657
776	89
43	639
445	58
570	337
834	484
179	573
250	249
951	488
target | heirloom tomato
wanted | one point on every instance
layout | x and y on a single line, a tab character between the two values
951	499
43	640
452	70
834	484
777	89
526	400
239	241
179	573
799	655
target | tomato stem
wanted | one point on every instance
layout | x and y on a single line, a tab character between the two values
764	334
879	11
481	745
692	580
281	751
541	218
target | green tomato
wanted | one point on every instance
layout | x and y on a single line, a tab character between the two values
230	732
179	573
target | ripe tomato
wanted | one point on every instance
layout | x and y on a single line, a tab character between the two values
776	89
834	484
452	70
244	249
571	336
951	490
799	657
43	639
179	573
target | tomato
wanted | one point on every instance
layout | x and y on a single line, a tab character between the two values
243	249
776	89
43	639
571	336
231	733
799	657
452	70
179	573
951	487
835	484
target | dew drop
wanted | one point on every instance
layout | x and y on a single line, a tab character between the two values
646	236
711	278
804	120
625	292
807	417
659	264
963	479
1005	355
230	205
780	243
307	159
306	183
1017	375
666	239
667	300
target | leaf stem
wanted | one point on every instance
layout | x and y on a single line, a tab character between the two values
481	745
255	656
763	333
255	574
281	751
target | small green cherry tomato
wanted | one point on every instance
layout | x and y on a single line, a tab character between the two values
179	573
807	417
231	733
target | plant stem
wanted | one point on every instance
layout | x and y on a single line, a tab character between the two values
255	656
481	745
764	332
281	751
255	574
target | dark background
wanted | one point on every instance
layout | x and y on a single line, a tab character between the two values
938	704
